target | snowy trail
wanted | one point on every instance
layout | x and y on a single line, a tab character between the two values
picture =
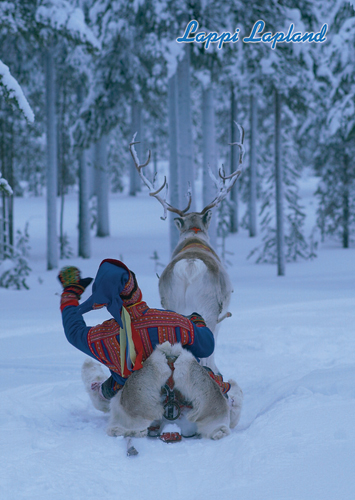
290	345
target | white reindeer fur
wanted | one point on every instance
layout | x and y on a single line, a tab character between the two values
193	288
93	372
139	402
210	408
195	280
235	401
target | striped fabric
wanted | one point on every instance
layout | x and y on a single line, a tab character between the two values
224	386
68	299
104	339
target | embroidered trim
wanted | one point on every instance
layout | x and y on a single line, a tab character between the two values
98	306
166	322
103	344
137	310
104	340
224	386
68	299
131	294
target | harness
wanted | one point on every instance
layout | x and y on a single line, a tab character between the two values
174	401
201	245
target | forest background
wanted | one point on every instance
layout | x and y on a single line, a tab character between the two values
95	72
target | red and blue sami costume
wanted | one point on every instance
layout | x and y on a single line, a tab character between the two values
115	287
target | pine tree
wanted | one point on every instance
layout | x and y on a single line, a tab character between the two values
335	120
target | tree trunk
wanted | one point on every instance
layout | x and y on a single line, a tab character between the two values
185	143
252	171
3	227
61	167
52	237
103	228
84	247
279	189
7	162
209	149
84	244
173	160
234	157
137	126
11	180
346	203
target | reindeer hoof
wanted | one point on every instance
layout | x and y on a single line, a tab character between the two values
115	431
138	434
220	433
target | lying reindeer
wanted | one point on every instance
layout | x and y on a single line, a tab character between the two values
140	402
195	279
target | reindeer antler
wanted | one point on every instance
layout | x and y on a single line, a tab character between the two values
232	178
155	192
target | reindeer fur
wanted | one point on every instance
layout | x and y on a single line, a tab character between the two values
196	281
93	372
139	402
210	408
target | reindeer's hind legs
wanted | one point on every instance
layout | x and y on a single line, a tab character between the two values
210	410
139	402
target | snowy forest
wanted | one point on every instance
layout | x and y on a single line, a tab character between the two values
79	81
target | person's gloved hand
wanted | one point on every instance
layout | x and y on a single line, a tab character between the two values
197	319
71	280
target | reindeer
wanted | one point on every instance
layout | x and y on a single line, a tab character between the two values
195	280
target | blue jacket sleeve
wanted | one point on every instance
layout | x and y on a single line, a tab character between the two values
203	343
75	329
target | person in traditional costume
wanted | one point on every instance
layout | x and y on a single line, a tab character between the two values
126	341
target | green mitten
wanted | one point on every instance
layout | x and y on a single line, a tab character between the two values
71	280
197	319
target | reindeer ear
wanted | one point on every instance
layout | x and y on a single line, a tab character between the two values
206	219
179	222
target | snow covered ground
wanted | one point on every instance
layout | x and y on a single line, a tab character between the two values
290	344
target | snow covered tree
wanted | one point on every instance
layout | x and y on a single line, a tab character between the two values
12	98
335	120
137	128
209	156
279	188
253	166
184	121
173	159
283	69
234	212
294	242
52	171
53	20
12	92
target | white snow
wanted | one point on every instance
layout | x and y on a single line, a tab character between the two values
5	186
15	91
290	345
174	53
61	14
